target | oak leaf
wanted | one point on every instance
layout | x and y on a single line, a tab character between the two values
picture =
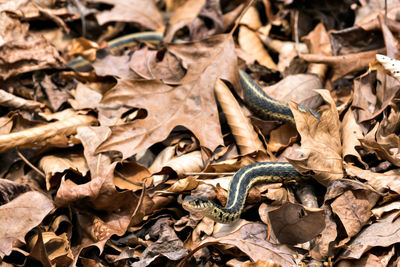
191	104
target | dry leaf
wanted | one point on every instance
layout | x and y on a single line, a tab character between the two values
351	133
246	138
379	181
299	88
252	45
22	52
57	164
202	19
251	18
382	233
294	223
144	12
318	43
250	239
14	225
320	142
390	65
191	104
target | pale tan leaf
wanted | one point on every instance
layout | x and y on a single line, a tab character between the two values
12	101
299	88
190	162
393	206
251	18
251	44
320	142
29	137
381	182
58	163
318	43
245	136
390	65
57	247
382	233
185	184
351	133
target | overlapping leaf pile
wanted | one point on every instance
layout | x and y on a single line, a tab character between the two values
96	161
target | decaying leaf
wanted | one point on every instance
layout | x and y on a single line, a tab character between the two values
320	142
250	239
191	104
143	12
244	133
98	154
14	226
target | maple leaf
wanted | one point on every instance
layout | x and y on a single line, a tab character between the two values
190	104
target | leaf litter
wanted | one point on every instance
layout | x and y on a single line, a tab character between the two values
96	161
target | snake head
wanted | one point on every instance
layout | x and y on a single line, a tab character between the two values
196	204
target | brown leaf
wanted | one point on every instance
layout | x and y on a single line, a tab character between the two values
252	45
282	137
15	225
144	12
294	223
324	242
379	181
186	163
382	233
354	216
10	190
57	247
320	142
147	64
351	133
318	43
370	99
56	164
202	19
299	88
23	53
91	137
10	100
84	98
191	104
245	136
132	176
167	245
250	239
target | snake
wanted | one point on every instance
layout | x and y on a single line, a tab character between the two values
262	106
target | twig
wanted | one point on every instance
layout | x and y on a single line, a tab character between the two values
207	173
241	16
30	164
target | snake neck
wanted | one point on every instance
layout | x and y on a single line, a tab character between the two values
242	181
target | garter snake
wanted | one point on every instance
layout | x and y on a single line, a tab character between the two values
263	106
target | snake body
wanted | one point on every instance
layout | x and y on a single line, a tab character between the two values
259	103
